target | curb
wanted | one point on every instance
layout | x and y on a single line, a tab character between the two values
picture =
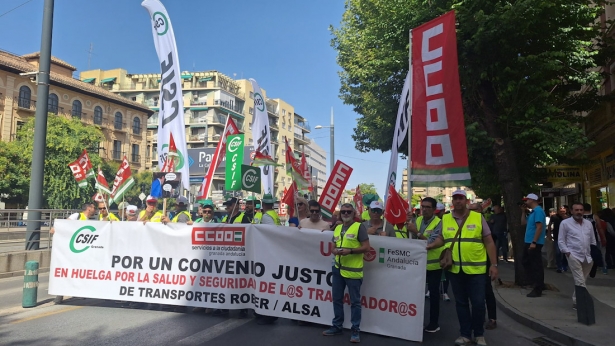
537	325
20	273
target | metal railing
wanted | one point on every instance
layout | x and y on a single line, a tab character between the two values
135	158
228	105
118	125
78	114
13	224
25	103
136	130
117	155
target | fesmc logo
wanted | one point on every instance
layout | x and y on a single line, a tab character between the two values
180	162
259	103
234	144
81	238
160	23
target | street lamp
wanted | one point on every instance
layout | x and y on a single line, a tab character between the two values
332	139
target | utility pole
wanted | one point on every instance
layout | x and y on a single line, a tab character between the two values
331	128
35	200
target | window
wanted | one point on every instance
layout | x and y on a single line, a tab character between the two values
25	94
77	109
283	112
117	150
251	94
98	115
147	153
118	121
251	110
134	98
52	104
135	157
136	126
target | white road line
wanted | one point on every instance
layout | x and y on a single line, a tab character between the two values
212	332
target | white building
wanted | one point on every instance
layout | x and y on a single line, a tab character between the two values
317	159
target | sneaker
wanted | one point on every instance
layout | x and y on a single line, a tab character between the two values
431	329
461	341
427	295
534	294
354	337
492	324
446	298
605	271
332	331
480	341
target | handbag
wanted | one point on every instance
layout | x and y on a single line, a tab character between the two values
596	255
446	256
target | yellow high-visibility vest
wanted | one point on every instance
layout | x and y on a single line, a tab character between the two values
469	252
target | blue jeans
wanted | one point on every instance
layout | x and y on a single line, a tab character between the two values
467	289
337	291
560	259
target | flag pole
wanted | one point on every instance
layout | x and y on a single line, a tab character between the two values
100	192
408	175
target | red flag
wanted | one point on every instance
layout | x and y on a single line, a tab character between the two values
98	197
396	207
169	161
229	129
289	198
293	168
439	153
86	164
305	169
334	188
123	181
358	199
259	160
78	173
101	183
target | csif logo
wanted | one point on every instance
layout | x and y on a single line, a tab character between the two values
82	239
250	178
161	23
234	144
259	103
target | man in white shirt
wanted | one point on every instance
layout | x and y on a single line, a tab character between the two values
314	221
576	234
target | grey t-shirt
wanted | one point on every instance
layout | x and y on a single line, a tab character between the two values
390	230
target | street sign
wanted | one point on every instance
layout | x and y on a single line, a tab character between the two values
251	178
142	196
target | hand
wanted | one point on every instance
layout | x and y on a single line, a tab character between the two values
532	246
383	233
372	230
412	228
52	230
493	273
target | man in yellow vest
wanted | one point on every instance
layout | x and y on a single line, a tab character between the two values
234	214
151	213
104	214
181	212
351	242
249	210
376	225
467	275
270	216
429	227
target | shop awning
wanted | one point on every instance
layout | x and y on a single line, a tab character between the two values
199	108
186	76
108	80
89	80
204	79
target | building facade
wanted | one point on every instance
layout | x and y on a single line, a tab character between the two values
442	194
121	121
317	159
209	98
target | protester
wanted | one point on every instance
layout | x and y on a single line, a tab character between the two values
403	232
605	228
249	210
104	214
151	212
234	214
598	235
131	213
440	209
315	220
181	212
499	231
376	225
270	217
207	213
534	241
576	234
121	210
489	295
351	242
549	244
368	198
467	275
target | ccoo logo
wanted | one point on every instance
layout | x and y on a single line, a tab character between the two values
161	23
82	240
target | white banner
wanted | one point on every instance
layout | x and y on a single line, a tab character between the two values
262	135
277	271
400	134
171	113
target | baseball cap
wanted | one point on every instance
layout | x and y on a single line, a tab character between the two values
531	196
375	205
460	193
151	198
440	206
181	200
230	201
131	210
122	205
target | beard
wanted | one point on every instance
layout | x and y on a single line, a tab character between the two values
577	217
346	218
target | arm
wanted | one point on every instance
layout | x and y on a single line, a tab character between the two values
561	241
491	252
363	249
438	242
538	231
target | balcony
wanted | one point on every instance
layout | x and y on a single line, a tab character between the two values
197	138
136	130
119	126
135	158
117	155
301	138
273	125
217	119
53	109
26	104
304	125
271	108
229	105
151	103
152	122
198	102
78	114
99	119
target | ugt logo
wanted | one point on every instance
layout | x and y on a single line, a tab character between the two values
81	237
160	23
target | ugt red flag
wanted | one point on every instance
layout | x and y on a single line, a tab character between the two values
358	199
293	168
439	154
229	129
396	207
305	170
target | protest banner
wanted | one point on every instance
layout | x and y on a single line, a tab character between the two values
231	267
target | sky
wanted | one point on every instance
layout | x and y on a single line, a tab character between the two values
284	45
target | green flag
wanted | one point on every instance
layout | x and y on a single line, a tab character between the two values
251	178
234	160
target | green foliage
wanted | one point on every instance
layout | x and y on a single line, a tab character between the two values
14	173
416	199
368	189
66	139
143	183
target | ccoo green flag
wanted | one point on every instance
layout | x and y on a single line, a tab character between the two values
234	159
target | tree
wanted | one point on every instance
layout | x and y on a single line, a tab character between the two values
15	173
416	199
368	188
66	139
518	64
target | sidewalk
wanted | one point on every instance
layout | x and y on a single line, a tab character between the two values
552	314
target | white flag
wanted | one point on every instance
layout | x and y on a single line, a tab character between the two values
171	114
262	135
401	132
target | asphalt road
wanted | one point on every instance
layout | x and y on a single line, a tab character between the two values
81	321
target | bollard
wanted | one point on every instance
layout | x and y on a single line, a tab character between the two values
30	285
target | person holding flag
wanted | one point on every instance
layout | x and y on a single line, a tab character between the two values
234	214
375	225
181	212
104	214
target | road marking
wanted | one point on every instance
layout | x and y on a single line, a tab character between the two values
50	313
212	332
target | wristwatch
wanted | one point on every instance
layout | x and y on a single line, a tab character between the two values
494	265
534	243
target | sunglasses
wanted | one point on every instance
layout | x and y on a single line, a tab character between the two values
314	211
346	212
300	203
376	211
101	208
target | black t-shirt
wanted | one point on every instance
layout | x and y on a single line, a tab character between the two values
497	223
556	221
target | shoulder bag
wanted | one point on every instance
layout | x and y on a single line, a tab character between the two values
446	257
